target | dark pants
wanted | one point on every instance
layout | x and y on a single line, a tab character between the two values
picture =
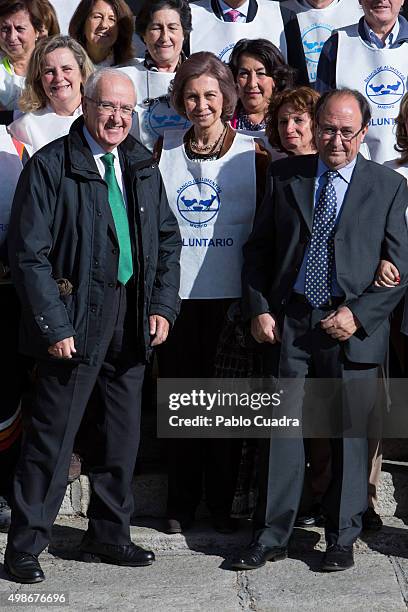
190	353
61	395
306	350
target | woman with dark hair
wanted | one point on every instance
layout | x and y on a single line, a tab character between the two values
290	122
259	70
213	177
163	26
104	28
51	100
21	24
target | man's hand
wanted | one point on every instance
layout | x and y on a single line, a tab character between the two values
159	329
341	324
64	349
264	328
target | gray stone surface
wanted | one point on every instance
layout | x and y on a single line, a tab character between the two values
150	492
296	584
187	581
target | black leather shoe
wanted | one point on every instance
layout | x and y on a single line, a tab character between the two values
338	558
23	567
116	554
371	520
315	516
256	555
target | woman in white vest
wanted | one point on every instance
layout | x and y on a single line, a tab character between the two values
211	180
58	69
317	20
105	29
259	71
163	25
21	24
12	375
372	57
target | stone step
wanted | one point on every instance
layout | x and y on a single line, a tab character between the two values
150	492
146	532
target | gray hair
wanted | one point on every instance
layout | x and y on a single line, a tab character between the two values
92	82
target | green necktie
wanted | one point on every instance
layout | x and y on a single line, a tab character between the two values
119	214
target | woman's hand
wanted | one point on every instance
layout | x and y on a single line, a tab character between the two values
387	275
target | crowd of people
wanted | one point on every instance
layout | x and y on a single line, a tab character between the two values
172	171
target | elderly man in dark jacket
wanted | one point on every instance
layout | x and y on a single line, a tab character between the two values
94	253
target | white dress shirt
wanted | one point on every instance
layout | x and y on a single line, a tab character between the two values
98	152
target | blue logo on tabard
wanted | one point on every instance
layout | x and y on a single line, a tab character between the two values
225	53
161	116
313	40
198	201
385	86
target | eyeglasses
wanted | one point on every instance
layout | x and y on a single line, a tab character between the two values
107	108
345	134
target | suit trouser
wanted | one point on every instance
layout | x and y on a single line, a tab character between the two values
306	350
61	395
190	353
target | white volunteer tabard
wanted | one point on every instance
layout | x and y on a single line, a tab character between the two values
10	168
37	129
317	25
154	114
214	203
379	74
64	9
11	86
212	34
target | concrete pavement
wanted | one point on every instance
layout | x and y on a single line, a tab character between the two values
191	573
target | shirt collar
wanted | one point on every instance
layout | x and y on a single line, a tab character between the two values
345	172
375	41
242	9
96	149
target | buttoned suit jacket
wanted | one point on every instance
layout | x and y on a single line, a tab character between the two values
370	227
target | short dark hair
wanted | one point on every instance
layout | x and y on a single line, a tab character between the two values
365	108
270	56
50	19
123	48
303	100
33	7
195	66
152	6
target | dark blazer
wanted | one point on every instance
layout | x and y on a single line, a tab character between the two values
59	228
371	226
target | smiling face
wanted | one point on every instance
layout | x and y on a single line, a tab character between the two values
17	35
254	86
61	79
109	130
381	14
164	37
203	101
295	130
101	29
341	113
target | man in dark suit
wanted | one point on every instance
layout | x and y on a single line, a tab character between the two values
94	253
309	268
